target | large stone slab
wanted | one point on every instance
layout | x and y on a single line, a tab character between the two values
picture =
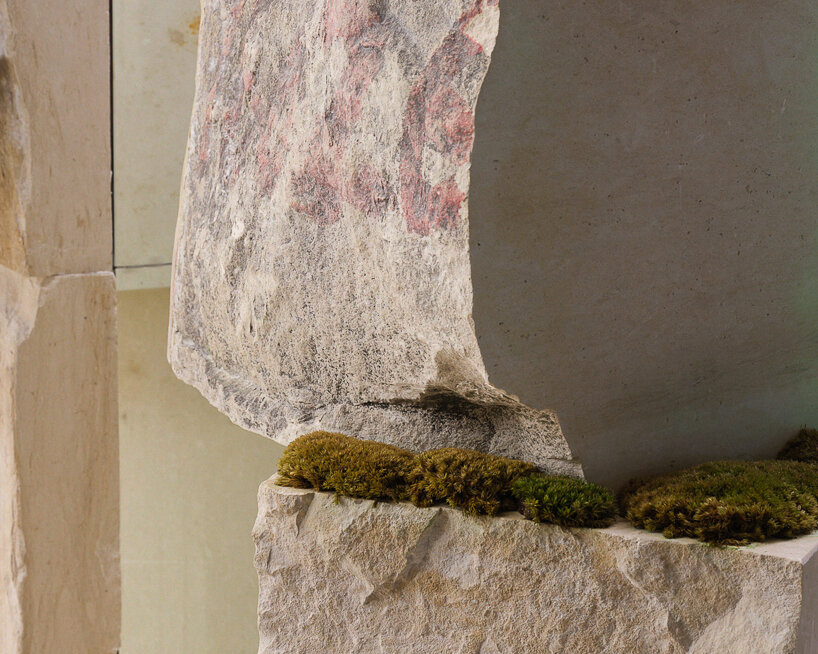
59	465
321	271
354	576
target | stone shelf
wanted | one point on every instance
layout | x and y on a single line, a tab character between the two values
351	576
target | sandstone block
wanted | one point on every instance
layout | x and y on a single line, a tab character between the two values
355	576
59	481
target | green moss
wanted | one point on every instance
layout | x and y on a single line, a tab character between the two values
727	502
804	447
564	501
474	482
471	481
346	465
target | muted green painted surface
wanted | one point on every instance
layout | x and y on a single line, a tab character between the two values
189	482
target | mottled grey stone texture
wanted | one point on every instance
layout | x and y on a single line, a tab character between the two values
321	272
353	577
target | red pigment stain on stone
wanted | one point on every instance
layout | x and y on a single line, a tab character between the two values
347	19
317	190
321	186
452	130
446	199
368	192
274	140
366	61
237	8
438	117
248	78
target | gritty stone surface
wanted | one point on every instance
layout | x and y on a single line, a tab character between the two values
353	576
59	459
321	270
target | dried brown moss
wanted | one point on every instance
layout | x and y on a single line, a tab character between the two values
475	482
346	465
727	502
804	447
564	501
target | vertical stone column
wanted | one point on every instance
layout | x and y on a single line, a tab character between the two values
59	486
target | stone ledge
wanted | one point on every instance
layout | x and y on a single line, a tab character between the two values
351	576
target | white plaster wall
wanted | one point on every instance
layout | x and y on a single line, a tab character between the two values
189	483
643	225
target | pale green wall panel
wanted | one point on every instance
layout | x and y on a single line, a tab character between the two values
189	482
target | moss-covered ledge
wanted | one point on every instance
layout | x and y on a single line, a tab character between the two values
349	575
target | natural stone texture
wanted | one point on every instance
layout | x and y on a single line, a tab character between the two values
59	483
55	172
321	272
354	576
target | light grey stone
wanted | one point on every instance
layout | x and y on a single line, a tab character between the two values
354	576
321	270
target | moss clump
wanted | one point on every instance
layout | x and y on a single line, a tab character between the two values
803	447
565	501
727	502
346	465
472	481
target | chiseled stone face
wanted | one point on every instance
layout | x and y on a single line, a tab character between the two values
321	273
359	577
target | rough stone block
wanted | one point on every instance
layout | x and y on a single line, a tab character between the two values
643	193
321	270
354	576
59	467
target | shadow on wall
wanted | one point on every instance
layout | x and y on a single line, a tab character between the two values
643	225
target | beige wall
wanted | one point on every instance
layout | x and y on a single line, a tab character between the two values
643	225
189	482
55	137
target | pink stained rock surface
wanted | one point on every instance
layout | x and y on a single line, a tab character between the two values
321	272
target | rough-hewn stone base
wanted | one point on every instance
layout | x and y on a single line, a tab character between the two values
354	576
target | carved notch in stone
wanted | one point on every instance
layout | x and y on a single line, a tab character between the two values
321	272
